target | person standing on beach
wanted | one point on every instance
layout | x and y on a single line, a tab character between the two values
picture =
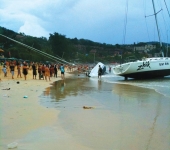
47	73
62	71
7	65
43	70
19	70
25	70
109	69
40	72
12	67
51	70
99	72
34	70
4	69
55	70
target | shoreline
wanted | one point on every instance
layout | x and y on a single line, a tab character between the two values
19	115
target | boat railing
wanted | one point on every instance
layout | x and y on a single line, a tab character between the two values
130	59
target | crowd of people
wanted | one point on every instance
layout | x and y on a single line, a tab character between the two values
39	70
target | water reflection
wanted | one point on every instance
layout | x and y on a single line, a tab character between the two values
132	93
64	88
99	84
151	104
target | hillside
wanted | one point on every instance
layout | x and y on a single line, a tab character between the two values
82	50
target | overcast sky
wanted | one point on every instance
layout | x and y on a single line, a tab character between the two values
97	20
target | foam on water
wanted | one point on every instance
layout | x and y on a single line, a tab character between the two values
161	85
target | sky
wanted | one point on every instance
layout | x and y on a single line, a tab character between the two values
102	21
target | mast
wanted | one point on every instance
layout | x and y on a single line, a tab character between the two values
167	45
155	14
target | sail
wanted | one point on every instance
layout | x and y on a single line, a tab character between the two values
94	71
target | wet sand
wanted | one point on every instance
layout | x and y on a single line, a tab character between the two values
124	117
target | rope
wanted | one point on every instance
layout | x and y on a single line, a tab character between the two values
38	51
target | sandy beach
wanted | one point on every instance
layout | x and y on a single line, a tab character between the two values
123	117
24	120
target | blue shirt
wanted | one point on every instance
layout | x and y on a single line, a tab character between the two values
62	68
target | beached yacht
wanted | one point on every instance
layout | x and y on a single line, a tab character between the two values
147	67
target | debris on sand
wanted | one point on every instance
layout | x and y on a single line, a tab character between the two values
6	89
12	145
86	107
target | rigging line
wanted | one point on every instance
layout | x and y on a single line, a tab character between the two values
147	29
159	36
48	57
44	54
165	24
36	50
157	24
167	45
144	5
153	14
167	8
125	22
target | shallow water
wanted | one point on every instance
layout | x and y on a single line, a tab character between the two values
127	115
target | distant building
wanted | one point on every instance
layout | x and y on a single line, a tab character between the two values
93	51
157	55
150	47
144	48
139	48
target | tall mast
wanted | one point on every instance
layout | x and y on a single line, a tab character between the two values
155	14
167	45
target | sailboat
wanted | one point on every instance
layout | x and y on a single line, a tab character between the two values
147	67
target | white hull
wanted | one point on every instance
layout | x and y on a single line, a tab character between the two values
148	68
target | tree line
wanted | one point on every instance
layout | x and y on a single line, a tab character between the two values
79	50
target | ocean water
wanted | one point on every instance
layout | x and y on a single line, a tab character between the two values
160	85
132	114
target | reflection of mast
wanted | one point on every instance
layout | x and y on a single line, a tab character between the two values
158	106
122	119
153	125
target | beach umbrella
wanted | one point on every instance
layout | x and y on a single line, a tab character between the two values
12	58
1	50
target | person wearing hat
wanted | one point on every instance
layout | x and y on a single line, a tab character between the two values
12	69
